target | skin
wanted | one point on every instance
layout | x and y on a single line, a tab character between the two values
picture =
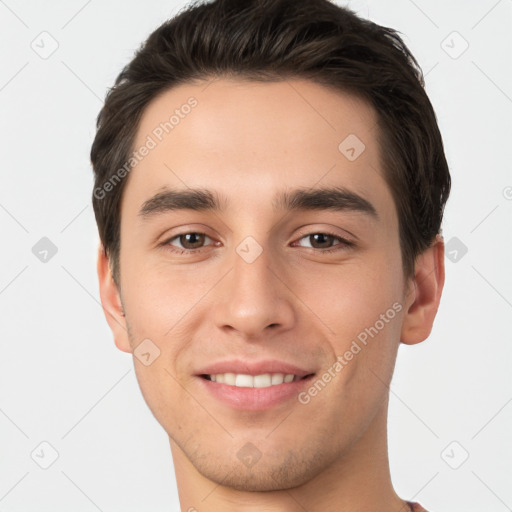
247	141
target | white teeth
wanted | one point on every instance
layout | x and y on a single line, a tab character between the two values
229	378
253	381
244	381
262	381
277	378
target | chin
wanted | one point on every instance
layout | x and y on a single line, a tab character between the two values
287	473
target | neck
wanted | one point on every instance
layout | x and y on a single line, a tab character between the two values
357	481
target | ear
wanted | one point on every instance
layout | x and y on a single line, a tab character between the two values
111	302
424	294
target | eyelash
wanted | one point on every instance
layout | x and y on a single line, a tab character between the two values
345	244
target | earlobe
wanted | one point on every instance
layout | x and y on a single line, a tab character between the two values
111	302
425	294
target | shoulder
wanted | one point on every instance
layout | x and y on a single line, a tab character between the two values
416	507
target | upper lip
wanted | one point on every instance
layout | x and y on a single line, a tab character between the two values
240	366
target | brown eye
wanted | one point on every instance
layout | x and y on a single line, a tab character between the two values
324	242
187	242
321	240
191	240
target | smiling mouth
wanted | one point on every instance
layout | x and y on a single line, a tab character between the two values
264	380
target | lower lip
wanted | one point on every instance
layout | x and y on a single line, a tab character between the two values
255	399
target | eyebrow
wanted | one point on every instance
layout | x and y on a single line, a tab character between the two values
326	198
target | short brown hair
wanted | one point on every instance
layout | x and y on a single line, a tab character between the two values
273	40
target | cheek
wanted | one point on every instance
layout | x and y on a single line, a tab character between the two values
352	298
361	303
163	394
369	338
366	316
157	298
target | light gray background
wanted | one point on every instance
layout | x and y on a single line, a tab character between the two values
62	380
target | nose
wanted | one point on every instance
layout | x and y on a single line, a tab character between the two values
254	300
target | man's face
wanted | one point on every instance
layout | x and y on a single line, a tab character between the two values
259	283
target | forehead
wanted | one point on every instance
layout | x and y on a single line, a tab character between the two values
245	138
